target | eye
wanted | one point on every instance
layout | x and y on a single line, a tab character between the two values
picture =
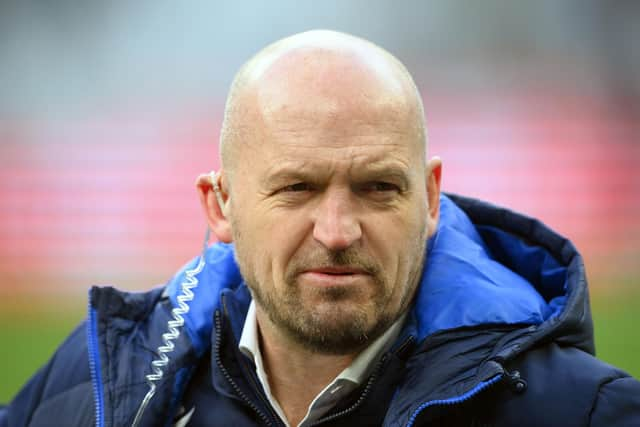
380	187
297	187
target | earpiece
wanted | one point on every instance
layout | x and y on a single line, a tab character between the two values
213	175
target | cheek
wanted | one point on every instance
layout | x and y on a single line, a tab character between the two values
398	243
394	233
289	239
272	240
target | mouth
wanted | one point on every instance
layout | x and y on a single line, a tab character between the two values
337	270
334	276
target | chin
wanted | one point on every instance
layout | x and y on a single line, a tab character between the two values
337	328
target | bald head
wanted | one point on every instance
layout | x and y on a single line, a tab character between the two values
322	79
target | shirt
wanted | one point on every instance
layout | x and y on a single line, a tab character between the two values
347	381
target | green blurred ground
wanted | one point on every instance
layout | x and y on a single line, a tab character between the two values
31	330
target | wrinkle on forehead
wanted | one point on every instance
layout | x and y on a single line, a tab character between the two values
311	163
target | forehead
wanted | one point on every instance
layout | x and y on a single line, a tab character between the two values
322	169
327	137
366	154
358	157
314	106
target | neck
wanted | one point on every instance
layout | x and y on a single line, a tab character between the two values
296	375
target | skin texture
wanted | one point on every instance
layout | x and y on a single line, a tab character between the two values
328	199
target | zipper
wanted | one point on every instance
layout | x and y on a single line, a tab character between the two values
225	373
94	365
479	388
358	402
250	372
401	349
254	382
367	388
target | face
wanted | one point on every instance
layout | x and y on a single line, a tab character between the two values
329	220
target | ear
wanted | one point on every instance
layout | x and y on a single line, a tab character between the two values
433	177
215	205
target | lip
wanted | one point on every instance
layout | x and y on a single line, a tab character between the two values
337	270
334	276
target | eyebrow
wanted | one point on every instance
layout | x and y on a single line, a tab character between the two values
289	171
313	173
384	170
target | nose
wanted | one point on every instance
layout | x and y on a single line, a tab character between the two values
336	222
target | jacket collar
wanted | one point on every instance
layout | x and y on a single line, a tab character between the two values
480	257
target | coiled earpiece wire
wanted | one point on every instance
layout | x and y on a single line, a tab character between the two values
175	325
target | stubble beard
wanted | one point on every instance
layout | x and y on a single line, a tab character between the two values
342	323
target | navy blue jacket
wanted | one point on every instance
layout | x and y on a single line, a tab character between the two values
500	334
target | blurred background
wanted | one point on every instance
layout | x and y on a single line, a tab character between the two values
109	110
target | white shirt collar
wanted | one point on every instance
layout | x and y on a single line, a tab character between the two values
348	380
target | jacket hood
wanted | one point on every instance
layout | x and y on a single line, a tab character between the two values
484	266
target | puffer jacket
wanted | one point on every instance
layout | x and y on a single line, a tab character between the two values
500	334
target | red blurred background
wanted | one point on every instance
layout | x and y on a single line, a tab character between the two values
112	199
109	111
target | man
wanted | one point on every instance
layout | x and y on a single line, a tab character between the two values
346	290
